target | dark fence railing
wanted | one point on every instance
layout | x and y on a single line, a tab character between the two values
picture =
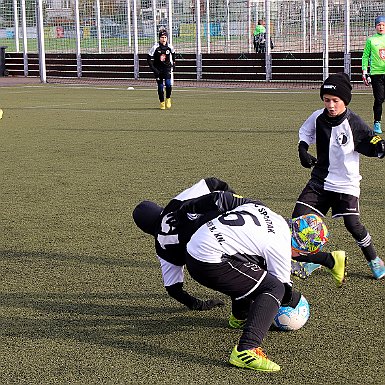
286	67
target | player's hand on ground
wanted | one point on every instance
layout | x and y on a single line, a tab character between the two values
210	304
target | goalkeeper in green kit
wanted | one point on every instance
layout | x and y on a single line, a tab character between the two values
374	57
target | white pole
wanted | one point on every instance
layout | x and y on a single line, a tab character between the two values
347	59
249	31
326	40
310	29
16	22
228	20
78	37
268	40
303	16
154	20
198	39
170	21
25	40
40	33
98	26
136	48
129	22
208	27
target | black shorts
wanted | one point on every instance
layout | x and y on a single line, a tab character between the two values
317	199
231	277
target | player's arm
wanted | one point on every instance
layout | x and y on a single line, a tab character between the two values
365	62
150	61
373	147
306	137
173	278
366	142
215	184
220	201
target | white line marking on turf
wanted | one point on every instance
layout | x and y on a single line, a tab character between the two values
55	105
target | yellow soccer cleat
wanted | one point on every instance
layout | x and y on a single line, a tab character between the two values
162	105
254	359
339	269
235	323
1	113
168	102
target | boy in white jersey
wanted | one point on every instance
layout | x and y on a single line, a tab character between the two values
245	253
340	137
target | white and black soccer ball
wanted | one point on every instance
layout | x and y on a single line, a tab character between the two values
289	319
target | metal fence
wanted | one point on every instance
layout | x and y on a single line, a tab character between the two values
198	26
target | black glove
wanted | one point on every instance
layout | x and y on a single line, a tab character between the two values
306	159
380	148
174	218
156	73
209	304
291	297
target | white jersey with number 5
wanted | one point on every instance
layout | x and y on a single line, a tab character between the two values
250	230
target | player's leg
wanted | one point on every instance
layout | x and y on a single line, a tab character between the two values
265	303
364	241
241	280
168	84
314	199
378	87
160	82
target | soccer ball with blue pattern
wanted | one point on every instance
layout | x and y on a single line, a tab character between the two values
289	319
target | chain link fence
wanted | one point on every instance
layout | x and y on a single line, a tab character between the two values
195	26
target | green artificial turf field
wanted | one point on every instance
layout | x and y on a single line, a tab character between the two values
81	295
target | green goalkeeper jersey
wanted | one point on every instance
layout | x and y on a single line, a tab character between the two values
374	55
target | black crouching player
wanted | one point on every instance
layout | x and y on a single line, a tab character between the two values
170	243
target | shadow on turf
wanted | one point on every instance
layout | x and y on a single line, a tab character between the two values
73	317
129	261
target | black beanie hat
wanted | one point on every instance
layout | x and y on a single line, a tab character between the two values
337	85
146	215
163	32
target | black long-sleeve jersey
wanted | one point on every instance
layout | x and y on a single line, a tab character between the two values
161	58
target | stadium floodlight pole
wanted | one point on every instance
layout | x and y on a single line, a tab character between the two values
78	37
170	21
98	26
326	40
268	58
208	27
136	48
198	38
25	44
40	40
347	55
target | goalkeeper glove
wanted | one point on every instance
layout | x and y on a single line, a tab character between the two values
366	78
306	159
207	305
